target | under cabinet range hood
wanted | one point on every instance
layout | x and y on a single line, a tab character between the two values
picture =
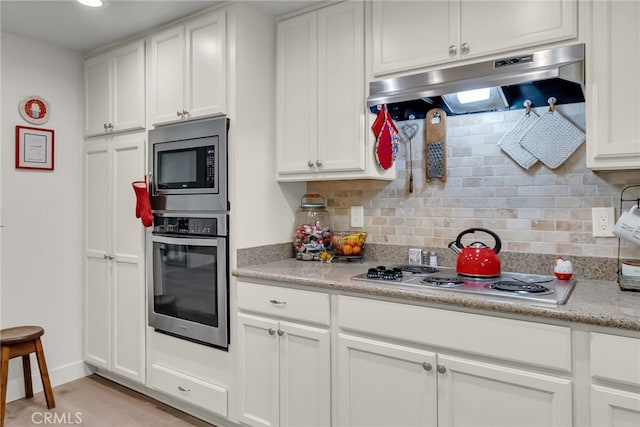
498	84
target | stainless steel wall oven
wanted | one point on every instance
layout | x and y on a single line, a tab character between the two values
187	248
188	286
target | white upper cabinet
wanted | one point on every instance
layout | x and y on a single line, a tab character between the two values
321	112
188	71
115	91
613	87
412	34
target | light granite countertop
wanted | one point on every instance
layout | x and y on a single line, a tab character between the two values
592	302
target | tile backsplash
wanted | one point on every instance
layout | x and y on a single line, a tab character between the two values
538	211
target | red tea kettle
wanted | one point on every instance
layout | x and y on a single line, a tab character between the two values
477	259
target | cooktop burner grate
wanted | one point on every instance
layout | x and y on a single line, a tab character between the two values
518	287
443	282
418	269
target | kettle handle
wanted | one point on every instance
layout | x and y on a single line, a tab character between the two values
496	248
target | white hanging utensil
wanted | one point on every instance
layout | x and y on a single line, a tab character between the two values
510	142
553	138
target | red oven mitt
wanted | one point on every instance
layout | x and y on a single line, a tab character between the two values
386	132
143	206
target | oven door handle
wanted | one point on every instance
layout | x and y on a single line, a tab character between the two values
211	241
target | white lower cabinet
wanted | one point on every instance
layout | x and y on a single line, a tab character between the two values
284	356
611	407
392	378
474	393
114	292
615	388
382	384
190	389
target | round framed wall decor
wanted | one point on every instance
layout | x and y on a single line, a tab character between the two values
34	110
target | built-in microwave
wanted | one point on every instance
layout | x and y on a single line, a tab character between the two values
188	165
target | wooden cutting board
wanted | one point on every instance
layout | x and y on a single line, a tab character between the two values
435	145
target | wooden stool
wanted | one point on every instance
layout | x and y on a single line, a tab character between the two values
22	341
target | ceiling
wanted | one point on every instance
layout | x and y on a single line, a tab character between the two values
71	25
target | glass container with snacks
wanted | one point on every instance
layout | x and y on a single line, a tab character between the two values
312	228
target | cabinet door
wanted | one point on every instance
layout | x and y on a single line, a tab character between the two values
297	100
305	375
341	109
258	353
97	94
128	298
613	104
614	408
494	26
412	34
383	384
97	280
206	67
480	394
167	75
128	88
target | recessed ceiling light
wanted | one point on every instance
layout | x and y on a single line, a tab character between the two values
92	3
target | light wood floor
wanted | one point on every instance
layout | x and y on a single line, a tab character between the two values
96	402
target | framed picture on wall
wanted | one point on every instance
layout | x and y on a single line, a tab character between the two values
34	148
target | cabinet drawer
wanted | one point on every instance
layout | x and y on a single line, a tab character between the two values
189	389
615	358
288	303
536	344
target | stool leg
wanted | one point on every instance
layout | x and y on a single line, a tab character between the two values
26	369
44	375
4	372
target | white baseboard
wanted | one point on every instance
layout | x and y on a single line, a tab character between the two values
57	376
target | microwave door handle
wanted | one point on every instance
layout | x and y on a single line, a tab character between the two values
184	241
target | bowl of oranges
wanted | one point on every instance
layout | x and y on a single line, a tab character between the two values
348	243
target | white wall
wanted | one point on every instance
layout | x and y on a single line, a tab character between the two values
41	242
262	209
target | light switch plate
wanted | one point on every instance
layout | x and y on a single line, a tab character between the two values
357	216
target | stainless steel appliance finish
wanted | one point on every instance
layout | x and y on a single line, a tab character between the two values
188	277
560	69
532	287
188	166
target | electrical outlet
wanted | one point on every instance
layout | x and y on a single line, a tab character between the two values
357	216
602	222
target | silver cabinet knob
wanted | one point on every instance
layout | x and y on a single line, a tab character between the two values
105	126
272	331
426	366
442	369
318	163
280	332
184	389
185	113
310	163
465	48
453	50
179	113
277	302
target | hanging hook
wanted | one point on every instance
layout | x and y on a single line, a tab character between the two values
527	104
552	103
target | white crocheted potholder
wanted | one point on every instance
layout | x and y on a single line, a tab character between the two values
510	142
552	139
